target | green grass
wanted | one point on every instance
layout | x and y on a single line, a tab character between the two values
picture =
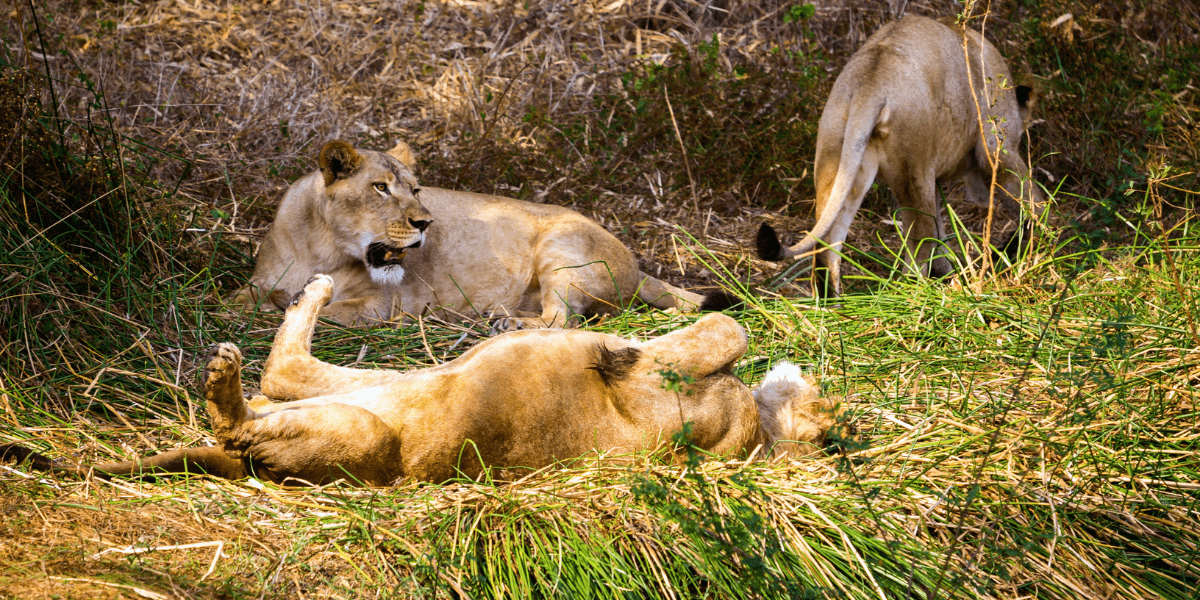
1037	439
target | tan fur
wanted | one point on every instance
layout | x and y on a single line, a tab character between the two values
531	265
903	109
520	400
792	409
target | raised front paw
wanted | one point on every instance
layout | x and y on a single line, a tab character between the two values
224	365
319	289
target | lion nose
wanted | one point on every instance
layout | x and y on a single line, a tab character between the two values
420	225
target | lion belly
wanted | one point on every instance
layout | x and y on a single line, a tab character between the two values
530	398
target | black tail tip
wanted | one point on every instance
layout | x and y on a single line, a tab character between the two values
767	244
720	300
1024	95
20	454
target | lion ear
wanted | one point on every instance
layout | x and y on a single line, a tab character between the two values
403	153
338	160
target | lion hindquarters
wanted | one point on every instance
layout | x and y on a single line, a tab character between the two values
317	441
794	416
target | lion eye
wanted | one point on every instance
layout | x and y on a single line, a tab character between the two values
381	187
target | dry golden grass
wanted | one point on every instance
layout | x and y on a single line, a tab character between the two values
240	96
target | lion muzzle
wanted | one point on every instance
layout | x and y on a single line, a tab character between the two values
387	254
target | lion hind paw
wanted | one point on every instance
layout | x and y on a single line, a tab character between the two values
507	324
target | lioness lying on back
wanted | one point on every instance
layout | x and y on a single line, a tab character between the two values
396	249
523	399
905	108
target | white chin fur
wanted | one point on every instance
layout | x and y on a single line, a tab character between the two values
785	401
783	383
390	275
785	373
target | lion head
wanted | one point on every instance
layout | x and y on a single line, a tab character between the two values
372	204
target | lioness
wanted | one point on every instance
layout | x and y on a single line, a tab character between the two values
524	399
399	249
903	108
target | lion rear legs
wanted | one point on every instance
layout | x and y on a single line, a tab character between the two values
921	224
222	381
827	264
314	442
556	312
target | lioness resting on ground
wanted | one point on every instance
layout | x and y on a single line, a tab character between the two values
903	108
520	400
395	248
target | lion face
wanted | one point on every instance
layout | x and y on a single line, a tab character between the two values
372	204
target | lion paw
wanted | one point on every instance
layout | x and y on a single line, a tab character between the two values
507	324
244	299
319	287
223	389
251	298
224	365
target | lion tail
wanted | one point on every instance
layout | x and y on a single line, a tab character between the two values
856	170
36	460
794	416
662	295
211	460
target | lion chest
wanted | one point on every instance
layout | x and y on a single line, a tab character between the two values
470	264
